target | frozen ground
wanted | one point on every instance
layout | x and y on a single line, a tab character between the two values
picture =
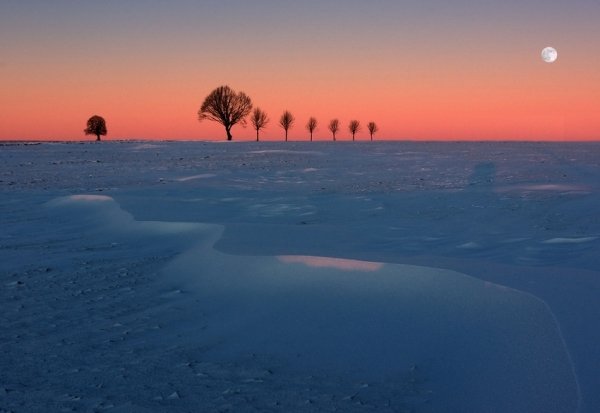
173	276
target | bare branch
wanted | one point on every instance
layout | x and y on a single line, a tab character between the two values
259	120
334	126
227	107
372	126
311	126
353	127
286	122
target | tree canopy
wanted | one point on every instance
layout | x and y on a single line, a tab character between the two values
286	122
353	127
372	126
227	107
311	126
334	126
259	120
96	125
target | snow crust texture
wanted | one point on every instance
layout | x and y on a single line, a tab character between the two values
385	277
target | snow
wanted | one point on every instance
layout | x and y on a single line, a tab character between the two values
395	276
569	240
191	178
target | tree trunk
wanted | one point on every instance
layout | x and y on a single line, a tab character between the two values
286	135
371	137
311	136
97	137
257	135
334	136
353	137
228	129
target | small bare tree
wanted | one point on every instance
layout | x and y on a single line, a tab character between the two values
259	120
372	126
286	122
353	127
311	126
334	126
96	125
227	107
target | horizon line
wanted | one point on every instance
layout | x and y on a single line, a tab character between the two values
121	140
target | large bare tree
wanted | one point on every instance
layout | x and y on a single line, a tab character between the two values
286	122
259	120
96	125
372	126
334	126
227	107
353	127
311	126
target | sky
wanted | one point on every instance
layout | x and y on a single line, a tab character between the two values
421	69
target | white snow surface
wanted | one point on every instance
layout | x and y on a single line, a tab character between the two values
394	277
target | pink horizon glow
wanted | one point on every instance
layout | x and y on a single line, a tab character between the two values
327	262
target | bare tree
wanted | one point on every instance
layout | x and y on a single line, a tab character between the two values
372	126
286	122
259	120
353	127
311	126
96	125
227	107
334	126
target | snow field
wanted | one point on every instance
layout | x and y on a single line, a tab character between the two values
251	277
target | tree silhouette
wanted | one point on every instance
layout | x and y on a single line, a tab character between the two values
353	127
227	107
286	122
311	126
334	126
96	125
259	120
372	126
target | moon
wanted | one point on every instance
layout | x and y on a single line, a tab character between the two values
549	55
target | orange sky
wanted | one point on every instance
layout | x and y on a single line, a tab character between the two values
431	78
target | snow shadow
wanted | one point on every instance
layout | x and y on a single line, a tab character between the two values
483	176
481	346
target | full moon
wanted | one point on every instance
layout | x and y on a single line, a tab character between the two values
549	55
